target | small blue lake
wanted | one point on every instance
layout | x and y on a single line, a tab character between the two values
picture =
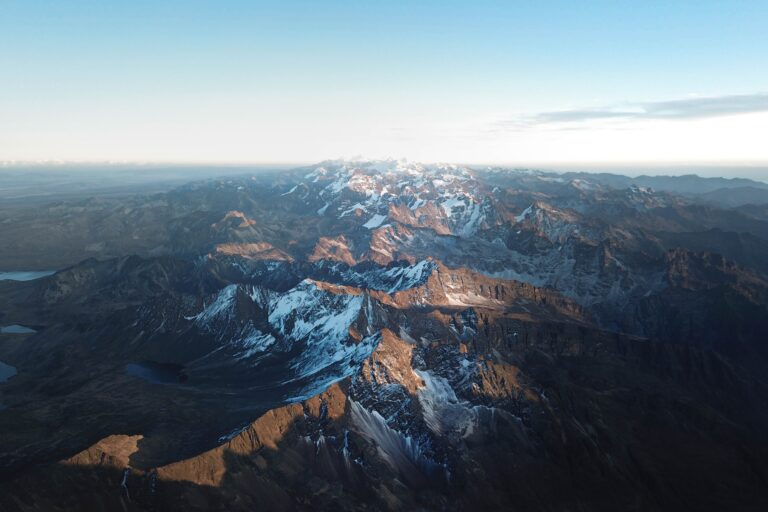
6	371
16	329
157	373
25	275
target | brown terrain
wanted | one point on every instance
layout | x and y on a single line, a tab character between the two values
338	338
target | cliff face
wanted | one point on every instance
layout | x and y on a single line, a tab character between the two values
708	302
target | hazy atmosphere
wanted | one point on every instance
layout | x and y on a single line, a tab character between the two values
519	83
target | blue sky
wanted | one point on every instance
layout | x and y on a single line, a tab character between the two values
480	81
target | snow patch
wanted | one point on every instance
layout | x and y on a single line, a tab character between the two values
375	221
403	453
524	215
443	413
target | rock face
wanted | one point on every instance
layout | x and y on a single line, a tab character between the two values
391	336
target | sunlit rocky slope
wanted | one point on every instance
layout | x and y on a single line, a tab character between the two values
387	336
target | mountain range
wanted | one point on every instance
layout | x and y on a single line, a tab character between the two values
385	335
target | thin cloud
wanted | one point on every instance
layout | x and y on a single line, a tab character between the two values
690	108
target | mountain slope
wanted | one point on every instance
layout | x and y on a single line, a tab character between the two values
385	335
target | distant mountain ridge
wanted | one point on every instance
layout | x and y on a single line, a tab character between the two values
689	184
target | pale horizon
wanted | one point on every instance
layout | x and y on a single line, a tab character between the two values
488	82
757	171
